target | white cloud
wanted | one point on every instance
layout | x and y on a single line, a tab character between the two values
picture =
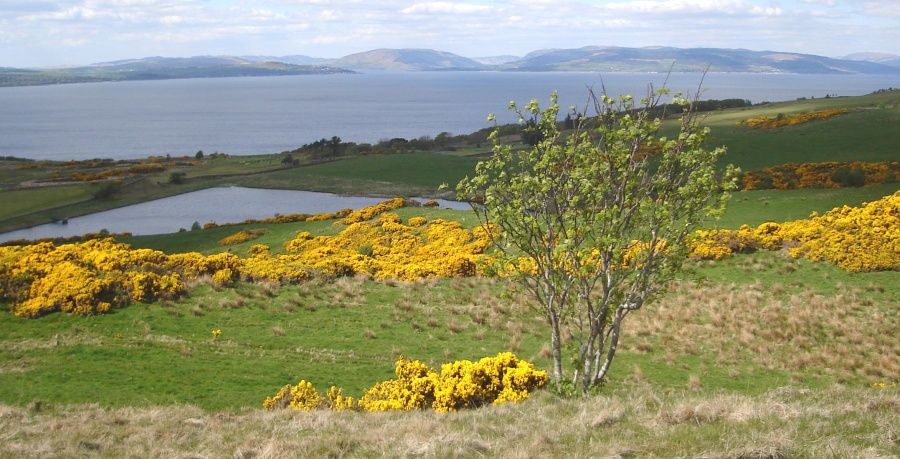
445	8
40	32
673	6
767	10
888	8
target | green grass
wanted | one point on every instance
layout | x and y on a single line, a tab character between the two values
861	135
15	203
347	333
164	354
755	207
771	269
408	174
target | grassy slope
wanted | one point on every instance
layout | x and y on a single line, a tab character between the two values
755	207
861	135
408	174
281	331
644	422
346	334
21	202
680	369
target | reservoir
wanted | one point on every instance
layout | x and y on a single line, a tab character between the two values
220	205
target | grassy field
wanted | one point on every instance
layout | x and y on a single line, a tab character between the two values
755	207
348	333
408	174
860	135
756	356
839	422
16	203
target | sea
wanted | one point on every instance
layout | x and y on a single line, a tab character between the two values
253	115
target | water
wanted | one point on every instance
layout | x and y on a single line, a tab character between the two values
221	205
273	114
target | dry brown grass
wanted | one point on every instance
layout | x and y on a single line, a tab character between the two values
640	422
843	336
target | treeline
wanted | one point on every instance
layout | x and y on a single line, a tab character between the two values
335	147
332	148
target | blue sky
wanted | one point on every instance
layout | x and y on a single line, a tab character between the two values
58	32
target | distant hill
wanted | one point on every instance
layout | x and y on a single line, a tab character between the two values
879	58
296	59
661	59
496	60
407	59
588	58
159	68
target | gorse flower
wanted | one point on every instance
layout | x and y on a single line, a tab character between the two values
94	276
830	174
458	385
865	238
765	122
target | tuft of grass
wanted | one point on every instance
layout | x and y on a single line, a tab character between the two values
641	421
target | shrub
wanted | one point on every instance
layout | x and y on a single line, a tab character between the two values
848	177
461	384
781	120
856	239
223	277
831	174
241	236
177	178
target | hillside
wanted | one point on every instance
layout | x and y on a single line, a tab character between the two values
589	58
160	68
879	58
763	353
661	59
407	59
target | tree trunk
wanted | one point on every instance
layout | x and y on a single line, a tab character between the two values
613	345
556	346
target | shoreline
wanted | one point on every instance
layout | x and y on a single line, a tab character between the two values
342	195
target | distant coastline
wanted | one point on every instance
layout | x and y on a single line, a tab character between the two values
606	59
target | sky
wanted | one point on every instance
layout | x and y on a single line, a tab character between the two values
36	33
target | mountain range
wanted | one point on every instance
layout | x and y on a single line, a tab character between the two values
880	58
588	58
161	68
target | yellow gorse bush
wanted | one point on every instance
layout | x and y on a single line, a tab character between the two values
83	278
93	276
865	238
386	248
820	175
461	384
367	213
241	237
765	122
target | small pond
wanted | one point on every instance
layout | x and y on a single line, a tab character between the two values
220	205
